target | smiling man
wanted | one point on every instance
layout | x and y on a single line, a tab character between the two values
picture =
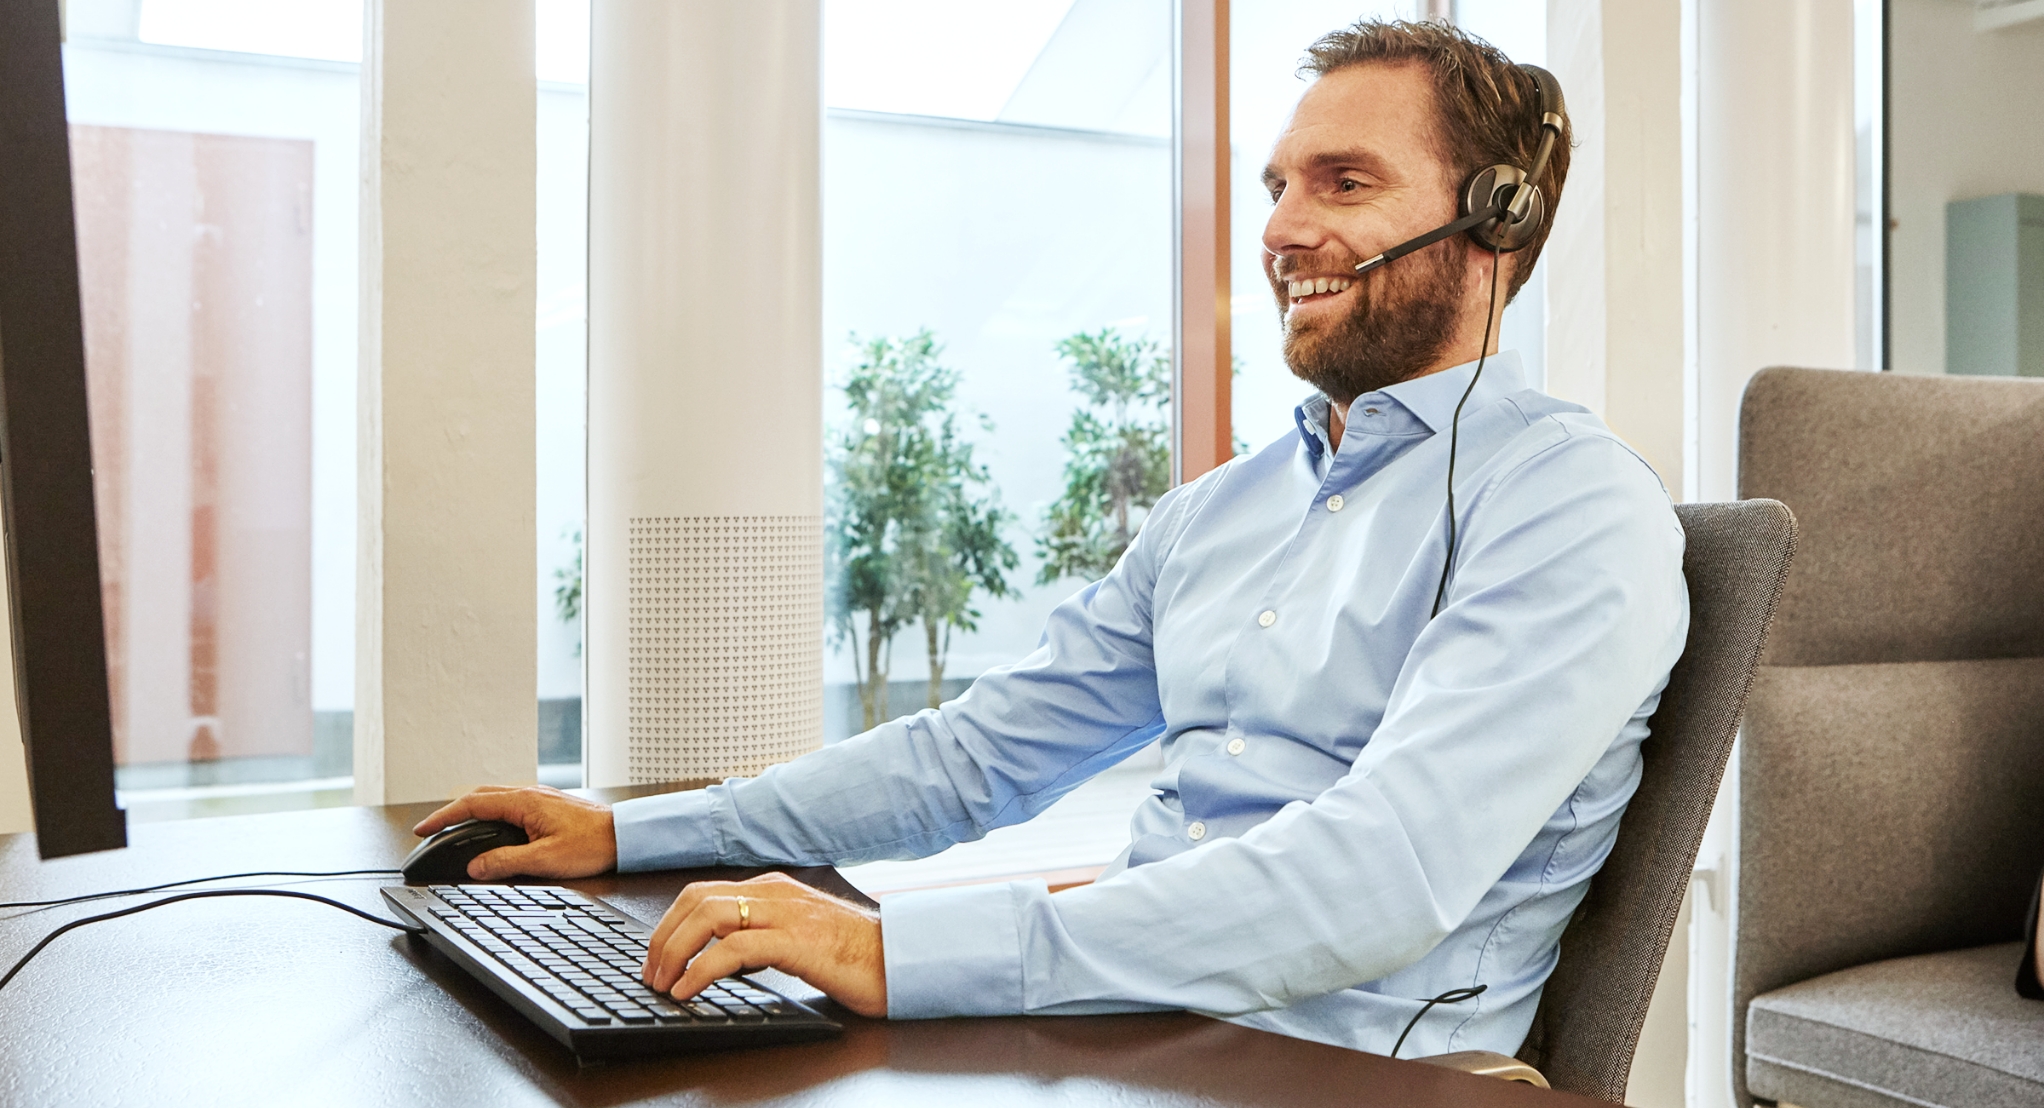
1366	802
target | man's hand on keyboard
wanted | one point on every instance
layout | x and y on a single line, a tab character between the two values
775	921
571	837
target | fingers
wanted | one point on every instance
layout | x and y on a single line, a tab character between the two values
833	945
469	806
767	886
538	859
712	918
746	950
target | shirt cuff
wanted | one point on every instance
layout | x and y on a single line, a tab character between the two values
668	831
954	952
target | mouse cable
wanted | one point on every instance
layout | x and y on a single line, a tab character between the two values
1455	434
1452	996
200	881
204	894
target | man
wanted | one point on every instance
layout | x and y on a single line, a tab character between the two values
1364	804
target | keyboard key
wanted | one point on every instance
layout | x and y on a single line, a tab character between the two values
704	1010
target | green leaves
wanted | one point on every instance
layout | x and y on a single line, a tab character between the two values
1117	453
914	524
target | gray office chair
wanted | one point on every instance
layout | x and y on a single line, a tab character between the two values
1892	770
1590	1014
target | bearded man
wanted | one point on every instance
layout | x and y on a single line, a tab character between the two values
1365	803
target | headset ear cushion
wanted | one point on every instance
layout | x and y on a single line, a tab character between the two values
1485	189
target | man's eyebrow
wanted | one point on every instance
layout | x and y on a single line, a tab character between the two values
1369	161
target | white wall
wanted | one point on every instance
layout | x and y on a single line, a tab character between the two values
1964	122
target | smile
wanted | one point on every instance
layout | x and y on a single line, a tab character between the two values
1307	288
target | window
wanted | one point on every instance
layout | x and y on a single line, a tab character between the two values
216	163
214	152
997	331
997	223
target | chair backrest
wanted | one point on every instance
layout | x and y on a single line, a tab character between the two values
1595	1002
1891	771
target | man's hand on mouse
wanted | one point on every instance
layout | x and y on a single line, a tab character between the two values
571	837
772	920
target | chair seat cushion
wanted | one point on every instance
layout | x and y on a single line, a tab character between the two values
1936	1029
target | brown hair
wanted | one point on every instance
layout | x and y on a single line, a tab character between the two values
1489	108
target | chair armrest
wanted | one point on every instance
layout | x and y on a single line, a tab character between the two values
1487	1063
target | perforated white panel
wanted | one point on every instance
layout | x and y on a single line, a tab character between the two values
726	644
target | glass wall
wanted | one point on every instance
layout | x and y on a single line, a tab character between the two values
1268	39
997	317
562	37
214	158
216	162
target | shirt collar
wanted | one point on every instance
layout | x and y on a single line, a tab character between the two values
1431	398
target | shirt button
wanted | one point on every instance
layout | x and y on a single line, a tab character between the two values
1266	619
1334	503
1236	746
1197	831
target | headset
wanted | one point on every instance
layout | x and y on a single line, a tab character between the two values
1502	209
1501	206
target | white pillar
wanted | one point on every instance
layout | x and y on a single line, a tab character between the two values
446	631
1614	261
704	602
1615	315
1774	279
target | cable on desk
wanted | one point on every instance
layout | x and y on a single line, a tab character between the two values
200	881
204	894
1452	996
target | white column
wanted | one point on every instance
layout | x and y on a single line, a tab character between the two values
1615	320
445	694
704	558
1774	279
1614	260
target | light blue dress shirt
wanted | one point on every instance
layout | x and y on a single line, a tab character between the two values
1360	807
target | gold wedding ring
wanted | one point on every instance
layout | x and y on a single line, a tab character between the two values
744	913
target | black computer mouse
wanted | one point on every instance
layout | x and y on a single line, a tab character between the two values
443	859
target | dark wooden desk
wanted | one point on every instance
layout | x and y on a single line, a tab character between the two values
246	1001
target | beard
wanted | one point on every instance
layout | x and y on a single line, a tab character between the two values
1402	320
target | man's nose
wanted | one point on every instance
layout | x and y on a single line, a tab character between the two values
1291	228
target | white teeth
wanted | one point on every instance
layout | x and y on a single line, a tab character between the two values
1316	286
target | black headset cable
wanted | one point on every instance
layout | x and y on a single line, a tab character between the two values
203	894
1452	996
1455	429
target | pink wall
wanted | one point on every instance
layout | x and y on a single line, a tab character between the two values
195	255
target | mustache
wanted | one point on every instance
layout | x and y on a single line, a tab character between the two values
1317	262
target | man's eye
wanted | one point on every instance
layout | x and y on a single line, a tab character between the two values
1349	184
1276	191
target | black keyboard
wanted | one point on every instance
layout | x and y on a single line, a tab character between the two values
571	964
